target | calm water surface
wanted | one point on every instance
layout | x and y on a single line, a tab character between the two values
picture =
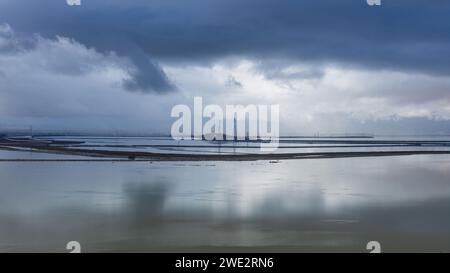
295	205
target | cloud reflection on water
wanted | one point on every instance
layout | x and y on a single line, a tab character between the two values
303	205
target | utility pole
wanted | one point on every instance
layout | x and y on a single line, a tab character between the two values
235	129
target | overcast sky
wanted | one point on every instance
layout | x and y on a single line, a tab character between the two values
332	66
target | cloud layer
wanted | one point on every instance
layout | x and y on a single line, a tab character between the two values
317	59
402	34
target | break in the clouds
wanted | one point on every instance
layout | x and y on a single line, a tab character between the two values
340	65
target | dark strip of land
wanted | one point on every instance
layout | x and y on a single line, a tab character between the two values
109	155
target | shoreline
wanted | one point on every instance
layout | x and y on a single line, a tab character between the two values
117	156
58	147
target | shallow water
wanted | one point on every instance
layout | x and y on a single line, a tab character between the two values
296	205
286	145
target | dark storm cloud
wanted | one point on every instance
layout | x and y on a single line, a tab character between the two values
399	35
91	26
